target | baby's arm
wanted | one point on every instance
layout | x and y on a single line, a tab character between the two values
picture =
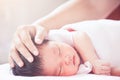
84	46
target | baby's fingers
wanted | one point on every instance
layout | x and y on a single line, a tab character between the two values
106	68
105	73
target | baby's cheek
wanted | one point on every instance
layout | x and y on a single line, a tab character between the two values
69	71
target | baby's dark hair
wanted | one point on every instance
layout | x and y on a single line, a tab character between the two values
30	69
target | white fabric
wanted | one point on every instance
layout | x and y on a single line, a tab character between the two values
5	74
85	68
60	35
105	36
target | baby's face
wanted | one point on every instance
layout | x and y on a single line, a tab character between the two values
59	59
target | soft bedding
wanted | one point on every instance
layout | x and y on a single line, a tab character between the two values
5	74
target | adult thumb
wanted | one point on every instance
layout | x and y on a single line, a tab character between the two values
40	34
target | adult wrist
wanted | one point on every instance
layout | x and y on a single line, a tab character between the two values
36	24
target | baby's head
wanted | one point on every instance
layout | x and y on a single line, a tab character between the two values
55	59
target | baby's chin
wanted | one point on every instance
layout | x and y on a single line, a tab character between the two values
69	74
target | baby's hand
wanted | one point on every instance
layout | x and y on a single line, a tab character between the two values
101	67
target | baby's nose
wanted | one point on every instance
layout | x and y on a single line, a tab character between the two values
68	60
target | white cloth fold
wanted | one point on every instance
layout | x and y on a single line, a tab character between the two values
85	68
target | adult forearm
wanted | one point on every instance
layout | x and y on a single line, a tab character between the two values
65	14
74	11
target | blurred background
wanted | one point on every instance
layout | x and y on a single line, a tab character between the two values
18	12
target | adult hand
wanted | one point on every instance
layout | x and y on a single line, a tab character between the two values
23	43
101	67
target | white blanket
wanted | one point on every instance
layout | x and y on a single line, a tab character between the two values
5	74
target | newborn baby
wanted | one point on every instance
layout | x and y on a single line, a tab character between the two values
73	45
55	59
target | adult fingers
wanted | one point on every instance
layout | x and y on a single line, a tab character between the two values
15	56
104	73
27	41
40	34
22	49
11	61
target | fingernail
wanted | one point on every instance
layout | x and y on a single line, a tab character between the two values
30	60
38	41
20	64
35	53
11	65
